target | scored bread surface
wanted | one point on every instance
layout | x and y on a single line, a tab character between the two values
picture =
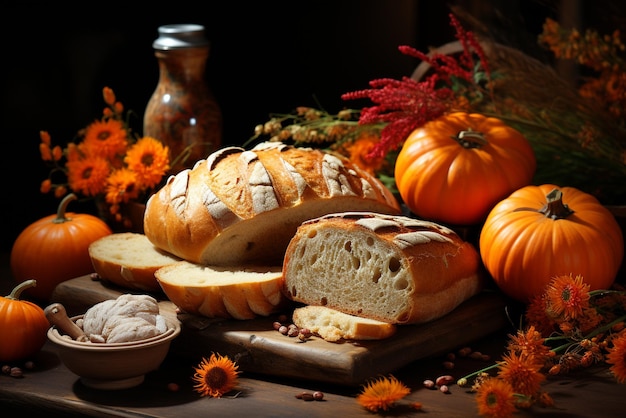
243	206
220	292
389	268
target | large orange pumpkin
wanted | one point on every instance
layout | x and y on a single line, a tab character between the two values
454	169
540	232
55	248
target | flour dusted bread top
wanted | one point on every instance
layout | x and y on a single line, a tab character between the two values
394	269
241	206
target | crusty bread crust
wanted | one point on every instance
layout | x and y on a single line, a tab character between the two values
129	260
390	268
220	292
242	207
333	325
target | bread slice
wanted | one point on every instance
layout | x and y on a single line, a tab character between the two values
222	292
333	325
393	269
242	206
129	260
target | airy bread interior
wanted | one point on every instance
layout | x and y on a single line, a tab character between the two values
390	268
221	292
129	260
353	269
333	325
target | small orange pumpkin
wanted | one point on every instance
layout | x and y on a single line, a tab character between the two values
454	169
540	232
23	325
55	248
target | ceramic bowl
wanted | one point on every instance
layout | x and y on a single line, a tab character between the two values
117	365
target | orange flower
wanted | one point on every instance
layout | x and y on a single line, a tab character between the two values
88	176
360	149
617	357
106	139
149	159
108	163
382	394
522	372
495	398
216	376
531	344
568	296
121	187
537	315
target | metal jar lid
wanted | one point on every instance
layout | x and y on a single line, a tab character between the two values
180	36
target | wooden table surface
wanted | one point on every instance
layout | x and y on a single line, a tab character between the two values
50	389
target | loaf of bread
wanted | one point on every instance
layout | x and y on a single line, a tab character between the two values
332	325
220	292
129	260
393	269
241	206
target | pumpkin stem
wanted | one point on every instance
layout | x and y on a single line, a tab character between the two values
17	290
63	209
555	208
470	139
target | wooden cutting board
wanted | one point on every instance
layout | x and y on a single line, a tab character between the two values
258	348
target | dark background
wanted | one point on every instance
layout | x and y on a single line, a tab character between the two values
266	57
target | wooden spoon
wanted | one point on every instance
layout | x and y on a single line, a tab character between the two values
57	316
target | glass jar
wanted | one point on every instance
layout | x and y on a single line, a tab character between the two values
182	112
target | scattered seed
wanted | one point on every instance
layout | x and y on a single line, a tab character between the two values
444	380
448	365
444	389
464	352
173	387
308	397
429	384
318	396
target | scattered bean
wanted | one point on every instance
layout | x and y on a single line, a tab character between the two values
444	380
173	387
16	372
308	397
464	352
276	325
283	330
444	389
448	365
429	384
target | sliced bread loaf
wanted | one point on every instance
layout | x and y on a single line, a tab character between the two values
220	292
333	325
393	269
242	206
129	260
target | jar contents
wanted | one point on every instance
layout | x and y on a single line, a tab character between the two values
182	112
